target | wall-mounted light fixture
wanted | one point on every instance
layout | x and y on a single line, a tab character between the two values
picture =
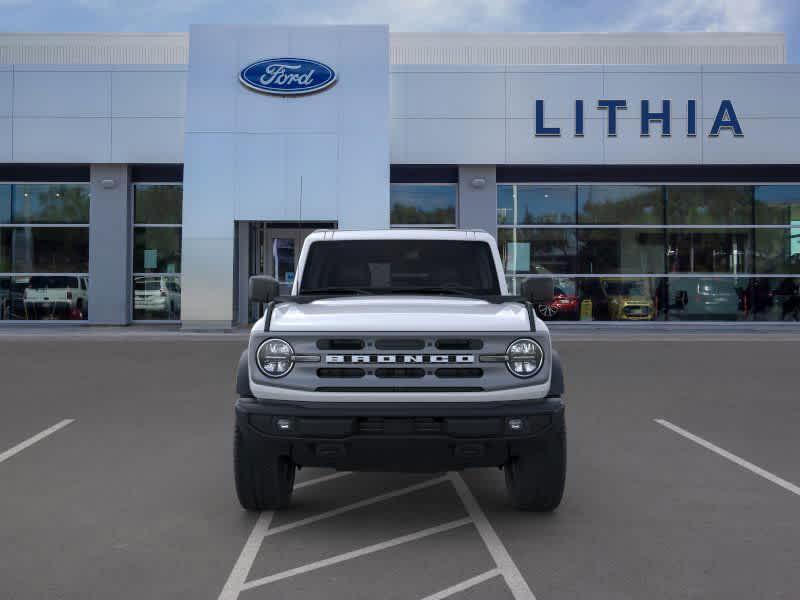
478	182
109	183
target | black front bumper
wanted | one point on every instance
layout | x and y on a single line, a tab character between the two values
421	437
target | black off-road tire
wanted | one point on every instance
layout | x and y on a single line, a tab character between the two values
535	480
262	482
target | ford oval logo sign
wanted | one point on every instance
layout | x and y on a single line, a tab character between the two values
287	76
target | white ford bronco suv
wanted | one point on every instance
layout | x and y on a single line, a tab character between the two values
400	350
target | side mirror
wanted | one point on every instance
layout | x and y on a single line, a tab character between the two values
538	290
263	288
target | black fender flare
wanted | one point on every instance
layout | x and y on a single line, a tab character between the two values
243	378
556	376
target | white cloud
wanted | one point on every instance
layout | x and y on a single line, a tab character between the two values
705	15
416	15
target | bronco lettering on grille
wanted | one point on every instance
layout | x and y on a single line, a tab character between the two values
400	358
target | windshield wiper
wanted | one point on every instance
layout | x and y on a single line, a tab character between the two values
337	290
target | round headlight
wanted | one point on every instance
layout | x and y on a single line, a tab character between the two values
275	357
524	357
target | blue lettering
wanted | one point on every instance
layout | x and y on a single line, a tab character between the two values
612	106
578	118
541	130
663	116
726	119
691	118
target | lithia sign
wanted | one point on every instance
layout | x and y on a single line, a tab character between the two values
726	119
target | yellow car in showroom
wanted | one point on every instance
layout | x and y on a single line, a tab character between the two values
628	299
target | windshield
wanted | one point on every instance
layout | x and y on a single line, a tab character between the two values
56	281
400	266
625	288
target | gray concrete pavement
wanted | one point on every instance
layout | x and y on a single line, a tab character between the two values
134	499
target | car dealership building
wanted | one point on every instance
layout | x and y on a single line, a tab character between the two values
144	177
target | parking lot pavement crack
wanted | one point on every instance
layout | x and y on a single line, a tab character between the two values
357	553
464	585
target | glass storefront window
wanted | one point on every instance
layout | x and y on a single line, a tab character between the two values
710	251
157	214
778	205
158	204
709	205
725	252
156	297
536	204
157	250
44	251
44	204
423	204
778	250
774	299
620	204
708	299
620	251
534	249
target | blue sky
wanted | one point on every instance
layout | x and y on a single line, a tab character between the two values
414	15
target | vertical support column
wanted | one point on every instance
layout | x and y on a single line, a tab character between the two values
477	198
109	243
243	239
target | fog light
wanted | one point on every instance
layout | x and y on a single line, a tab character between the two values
516	424
283	424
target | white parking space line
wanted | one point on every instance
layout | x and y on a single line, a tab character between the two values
356	505
357	553
248	555
731	457
33	439
464	585
508	568
322	479
236	580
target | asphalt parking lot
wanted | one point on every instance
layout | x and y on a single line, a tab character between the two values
116	482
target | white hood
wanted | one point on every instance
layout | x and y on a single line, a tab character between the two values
400	313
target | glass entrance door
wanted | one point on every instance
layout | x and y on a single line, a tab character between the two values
275	250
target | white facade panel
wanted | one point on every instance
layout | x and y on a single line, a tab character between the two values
629	148
62	93
76	140
147	140
765	141
312	161
454	95
148	93
6	91
210	89
5	139
316	114
207	265
209	176
454	141
654	86
524	148
254	196
753	94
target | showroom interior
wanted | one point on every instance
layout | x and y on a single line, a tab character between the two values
137	195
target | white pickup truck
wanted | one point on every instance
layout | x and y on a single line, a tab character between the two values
400	350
